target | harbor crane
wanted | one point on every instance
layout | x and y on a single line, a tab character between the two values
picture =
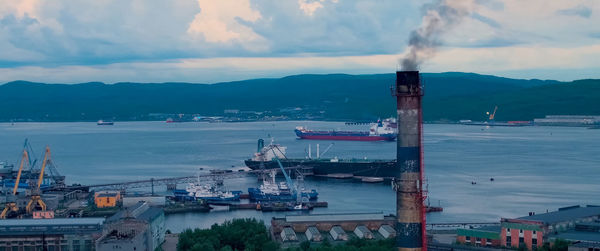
493	113
11	206
36	198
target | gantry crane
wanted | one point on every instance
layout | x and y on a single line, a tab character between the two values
11	204
36	198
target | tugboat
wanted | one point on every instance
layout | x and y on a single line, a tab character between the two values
385	130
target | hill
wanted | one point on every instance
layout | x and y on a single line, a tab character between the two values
450	96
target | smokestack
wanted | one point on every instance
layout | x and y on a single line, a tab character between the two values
408	182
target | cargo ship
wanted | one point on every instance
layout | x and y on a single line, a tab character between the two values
264	158
385	130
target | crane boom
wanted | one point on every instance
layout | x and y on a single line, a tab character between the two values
494	113
25	157
287	177
46	158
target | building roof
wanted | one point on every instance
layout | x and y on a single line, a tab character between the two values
54	226
150	214
55	221
578	236
140	211
335	217
564	214
488	232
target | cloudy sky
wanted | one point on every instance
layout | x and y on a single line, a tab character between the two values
207	41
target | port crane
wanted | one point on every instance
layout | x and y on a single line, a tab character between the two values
493	113
36	198
11	206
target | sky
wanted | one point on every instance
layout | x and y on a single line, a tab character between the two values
208	41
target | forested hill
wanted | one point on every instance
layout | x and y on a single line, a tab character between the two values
448	96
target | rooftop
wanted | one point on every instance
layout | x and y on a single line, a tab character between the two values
140	211
47	222
55	226
564	214
579	236
335	217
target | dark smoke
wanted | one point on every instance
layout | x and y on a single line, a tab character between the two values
439	17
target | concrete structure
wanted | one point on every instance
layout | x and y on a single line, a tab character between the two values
408	181
155	201
387	232
363	233
106	198
313	234
338	234
288	234
50	234
484	236
533	230
324	222
140	226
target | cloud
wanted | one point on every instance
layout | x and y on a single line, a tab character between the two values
221	21
580	10
521	62
133	40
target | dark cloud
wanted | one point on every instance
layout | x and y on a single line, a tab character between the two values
580	10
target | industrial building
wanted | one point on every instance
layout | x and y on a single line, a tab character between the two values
584	237
363	232
386	231
288	234
338	234
535	229
488	236
313	234
50	234
316	227
139	227
104	199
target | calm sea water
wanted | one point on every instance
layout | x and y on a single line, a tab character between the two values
535	168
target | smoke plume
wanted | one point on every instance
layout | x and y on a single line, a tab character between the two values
439	17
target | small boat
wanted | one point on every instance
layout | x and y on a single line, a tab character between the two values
102	122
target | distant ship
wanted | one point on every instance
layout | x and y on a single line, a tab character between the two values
102	122
265	159
171	120
385	130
